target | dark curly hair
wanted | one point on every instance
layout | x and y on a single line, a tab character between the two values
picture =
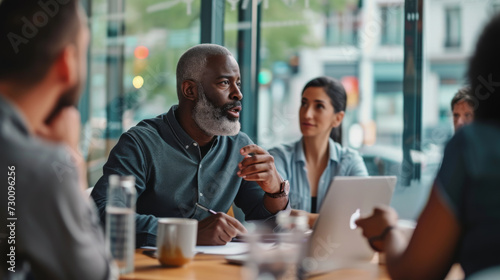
484	73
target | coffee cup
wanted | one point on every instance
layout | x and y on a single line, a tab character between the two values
176	240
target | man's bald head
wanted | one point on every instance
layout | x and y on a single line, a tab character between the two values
193	61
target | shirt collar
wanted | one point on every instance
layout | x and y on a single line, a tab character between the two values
299	151
179	132
9	110
333	149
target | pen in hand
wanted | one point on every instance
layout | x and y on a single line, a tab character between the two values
205	208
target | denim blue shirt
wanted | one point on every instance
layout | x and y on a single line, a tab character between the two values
290	162
171	176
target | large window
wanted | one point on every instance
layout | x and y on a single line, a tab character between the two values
300	41
134	50
136	44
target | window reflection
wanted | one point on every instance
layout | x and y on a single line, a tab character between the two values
132	70
359	44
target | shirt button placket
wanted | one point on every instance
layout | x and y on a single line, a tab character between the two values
200	194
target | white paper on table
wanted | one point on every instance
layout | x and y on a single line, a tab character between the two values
231	248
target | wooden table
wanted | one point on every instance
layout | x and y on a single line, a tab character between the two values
215	267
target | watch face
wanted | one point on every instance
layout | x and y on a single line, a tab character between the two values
286	186
284	190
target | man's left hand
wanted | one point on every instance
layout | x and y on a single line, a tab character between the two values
258	165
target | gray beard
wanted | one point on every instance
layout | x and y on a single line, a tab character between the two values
211	119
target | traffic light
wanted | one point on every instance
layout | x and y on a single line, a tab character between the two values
140	61
141	52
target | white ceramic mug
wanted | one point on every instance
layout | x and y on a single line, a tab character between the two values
176	240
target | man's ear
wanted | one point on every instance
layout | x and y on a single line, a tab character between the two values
337	118
189	90
66	66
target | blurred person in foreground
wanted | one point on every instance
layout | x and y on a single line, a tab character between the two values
462	108
312	163
461	221
195	153
52	230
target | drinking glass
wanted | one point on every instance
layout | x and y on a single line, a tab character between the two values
120	221
275	253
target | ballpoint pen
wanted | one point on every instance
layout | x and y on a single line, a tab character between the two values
205	208
235	239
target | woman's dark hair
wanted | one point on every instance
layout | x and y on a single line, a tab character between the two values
484	73
33	34
336	91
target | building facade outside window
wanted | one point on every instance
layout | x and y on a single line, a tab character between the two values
392	25
135	46
453	37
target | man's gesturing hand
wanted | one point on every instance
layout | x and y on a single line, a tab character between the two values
258	165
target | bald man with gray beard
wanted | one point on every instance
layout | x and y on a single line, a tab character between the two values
195	153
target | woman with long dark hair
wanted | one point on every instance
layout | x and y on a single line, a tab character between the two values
311	163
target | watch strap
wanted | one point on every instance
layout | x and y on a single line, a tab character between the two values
283	192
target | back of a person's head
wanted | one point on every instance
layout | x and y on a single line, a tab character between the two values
193	61
484	73
33	33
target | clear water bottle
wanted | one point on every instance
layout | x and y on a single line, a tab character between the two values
293	240
120	221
